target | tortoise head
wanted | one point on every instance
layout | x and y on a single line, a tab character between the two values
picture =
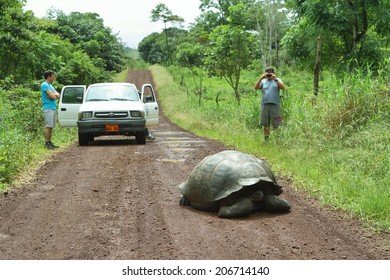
256	196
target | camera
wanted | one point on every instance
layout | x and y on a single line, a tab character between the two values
269	75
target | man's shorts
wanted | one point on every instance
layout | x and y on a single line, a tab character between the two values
50	118
270	115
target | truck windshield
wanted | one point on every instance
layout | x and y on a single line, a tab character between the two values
112	93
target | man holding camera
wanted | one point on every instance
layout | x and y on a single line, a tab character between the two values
270	114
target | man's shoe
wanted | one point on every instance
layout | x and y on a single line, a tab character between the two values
54	146
49	146
150	137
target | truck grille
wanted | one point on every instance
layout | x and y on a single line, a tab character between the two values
111	115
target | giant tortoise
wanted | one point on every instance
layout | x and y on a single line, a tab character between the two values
234	184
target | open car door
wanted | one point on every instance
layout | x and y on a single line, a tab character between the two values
151	107
70	101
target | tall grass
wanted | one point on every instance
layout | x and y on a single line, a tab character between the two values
335	146
21	133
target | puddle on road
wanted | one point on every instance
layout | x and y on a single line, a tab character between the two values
181	150
178	138
171	160
167	133
179	144
176	145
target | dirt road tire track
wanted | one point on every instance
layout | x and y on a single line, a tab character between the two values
115	199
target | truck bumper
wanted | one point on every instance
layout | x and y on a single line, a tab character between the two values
100	127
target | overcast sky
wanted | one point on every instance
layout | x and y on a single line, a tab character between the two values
131	18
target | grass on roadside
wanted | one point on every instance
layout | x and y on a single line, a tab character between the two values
21	133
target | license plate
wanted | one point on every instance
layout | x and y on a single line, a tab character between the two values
112	128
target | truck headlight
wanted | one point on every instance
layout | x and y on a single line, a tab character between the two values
85	115
137	114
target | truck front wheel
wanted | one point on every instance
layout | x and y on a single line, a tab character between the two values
140	137
84	138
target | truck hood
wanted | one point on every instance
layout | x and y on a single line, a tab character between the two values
99	106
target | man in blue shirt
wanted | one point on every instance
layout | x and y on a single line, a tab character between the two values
270	101
49	97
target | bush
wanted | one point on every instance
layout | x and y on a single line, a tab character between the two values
21	120
21	130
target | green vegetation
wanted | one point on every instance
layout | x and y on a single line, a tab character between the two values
335	147
77	46
21	132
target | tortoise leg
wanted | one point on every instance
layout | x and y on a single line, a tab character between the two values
238	207
273	203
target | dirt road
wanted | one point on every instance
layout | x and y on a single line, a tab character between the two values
118	200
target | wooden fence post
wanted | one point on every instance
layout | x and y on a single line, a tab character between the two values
317	66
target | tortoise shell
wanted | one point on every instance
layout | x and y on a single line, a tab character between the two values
220	175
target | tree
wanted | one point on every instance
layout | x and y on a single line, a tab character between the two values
73	65
87	30
271	25
16	36
80	70
161	12
78	47
222	12
353	30
225	29
192	57
152	48
230	51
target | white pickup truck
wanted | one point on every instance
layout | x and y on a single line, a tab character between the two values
108	109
